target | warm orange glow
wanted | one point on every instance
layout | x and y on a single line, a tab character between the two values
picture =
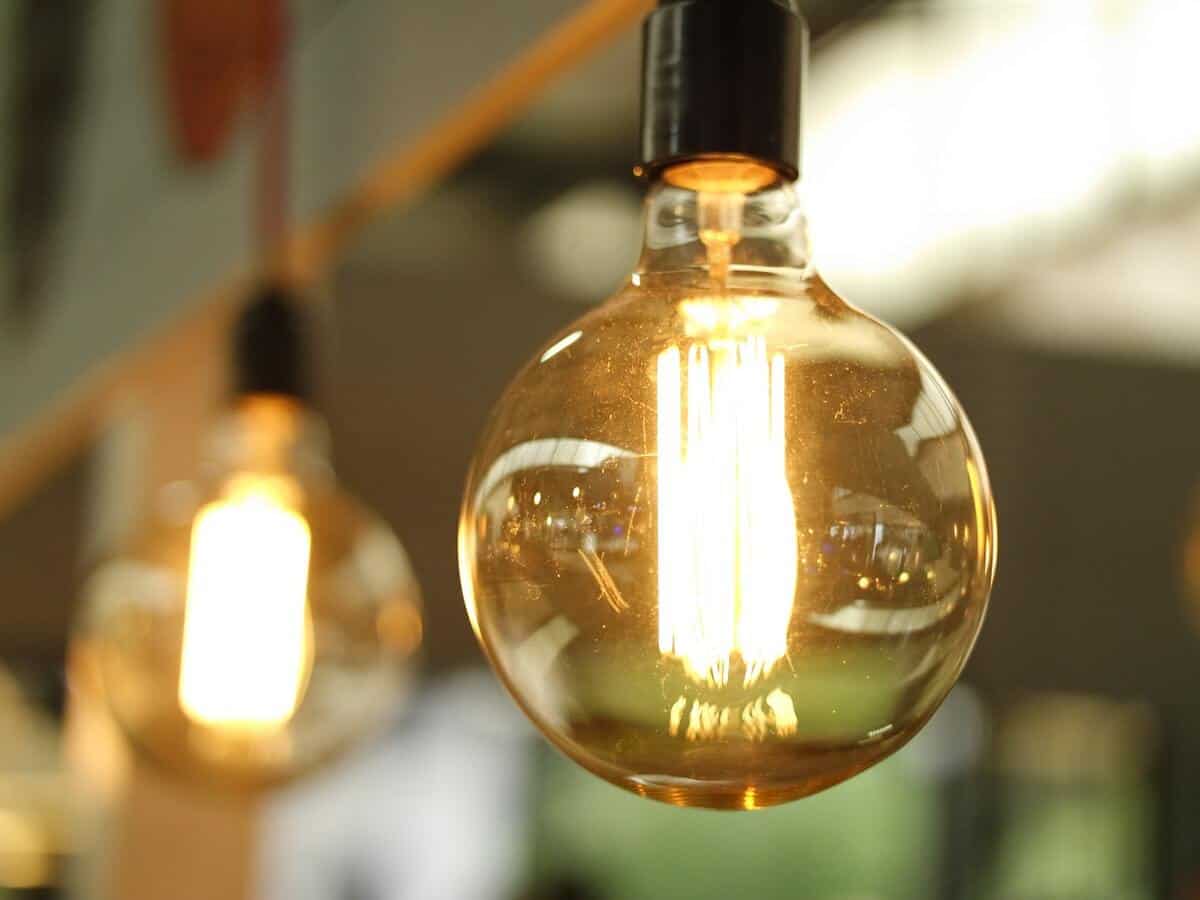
721	175
245	646
726	521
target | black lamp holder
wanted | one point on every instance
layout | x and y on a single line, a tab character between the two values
270	346
723	78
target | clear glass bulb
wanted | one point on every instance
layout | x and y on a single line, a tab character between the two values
727	539
263	621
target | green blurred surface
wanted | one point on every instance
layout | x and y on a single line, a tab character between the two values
875	836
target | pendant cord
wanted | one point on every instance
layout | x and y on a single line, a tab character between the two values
272	196
269	340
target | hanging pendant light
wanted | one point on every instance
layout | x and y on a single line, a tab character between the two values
727	539
261	621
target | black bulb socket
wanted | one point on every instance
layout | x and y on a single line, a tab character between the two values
722	78
270	347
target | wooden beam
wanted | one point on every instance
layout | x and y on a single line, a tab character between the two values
462	133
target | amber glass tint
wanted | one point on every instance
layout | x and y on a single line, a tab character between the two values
271	690
727	540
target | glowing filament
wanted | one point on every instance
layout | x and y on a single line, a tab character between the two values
245	645
726	520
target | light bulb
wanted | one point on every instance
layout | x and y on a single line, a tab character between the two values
727	539
262	621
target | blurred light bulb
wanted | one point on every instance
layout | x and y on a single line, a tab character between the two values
265	630
245	646
727	539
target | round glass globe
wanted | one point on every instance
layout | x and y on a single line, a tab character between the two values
246	683
727	540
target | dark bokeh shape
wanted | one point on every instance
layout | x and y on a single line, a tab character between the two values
49	61
41	543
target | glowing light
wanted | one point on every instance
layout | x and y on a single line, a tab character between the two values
726	520
711	316
245	644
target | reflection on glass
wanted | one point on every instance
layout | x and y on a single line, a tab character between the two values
727	539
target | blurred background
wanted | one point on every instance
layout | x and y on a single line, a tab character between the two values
1014	183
